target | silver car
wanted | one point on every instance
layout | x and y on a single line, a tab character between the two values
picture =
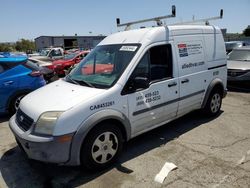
238	65
233	44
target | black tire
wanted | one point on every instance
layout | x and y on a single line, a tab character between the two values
14	103
213	104
102	147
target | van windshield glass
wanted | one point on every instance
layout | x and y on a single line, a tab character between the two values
104	65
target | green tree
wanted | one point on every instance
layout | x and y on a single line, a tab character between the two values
6	47
25	45
246	32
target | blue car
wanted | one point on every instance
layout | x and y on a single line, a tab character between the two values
18	77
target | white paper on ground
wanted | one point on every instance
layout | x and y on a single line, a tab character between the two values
243	159
164	172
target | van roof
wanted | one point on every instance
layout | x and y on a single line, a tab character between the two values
157	34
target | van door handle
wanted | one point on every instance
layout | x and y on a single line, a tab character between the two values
185	81
172	84
8	83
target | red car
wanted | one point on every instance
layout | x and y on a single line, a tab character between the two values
59	66
99	68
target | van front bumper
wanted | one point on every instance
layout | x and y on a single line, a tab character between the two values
51	149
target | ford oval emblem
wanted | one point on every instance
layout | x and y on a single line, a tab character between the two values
233	74
21	118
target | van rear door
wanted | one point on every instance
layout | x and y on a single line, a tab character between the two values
193	72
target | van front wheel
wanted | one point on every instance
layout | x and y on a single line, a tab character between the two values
102	147
213	104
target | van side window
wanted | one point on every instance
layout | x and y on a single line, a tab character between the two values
156	64
142	69
159	59
161	62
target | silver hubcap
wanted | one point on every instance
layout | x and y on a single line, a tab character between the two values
105	147
215	103
17	102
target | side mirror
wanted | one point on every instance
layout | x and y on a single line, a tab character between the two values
134	84
141	82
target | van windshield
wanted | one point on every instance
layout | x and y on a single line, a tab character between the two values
103	66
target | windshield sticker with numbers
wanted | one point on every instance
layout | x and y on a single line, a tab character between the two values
128	48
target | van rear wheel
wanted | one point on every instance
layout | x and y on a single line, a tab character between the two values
213	104
101	147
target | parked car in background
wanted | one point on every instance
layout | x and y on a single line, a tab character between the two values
17	78
70	51
238	65
234	44
69	60
41	61
48	74
52	53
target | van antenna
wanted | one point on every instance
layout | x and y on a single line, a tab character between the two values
156	19
205	20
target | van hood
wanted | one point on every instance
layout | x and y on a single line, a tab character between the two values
57	96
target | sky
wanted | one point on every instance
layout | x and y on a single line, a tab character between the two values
29	19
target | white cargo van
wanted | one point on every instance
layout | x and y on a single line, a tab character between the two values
132	82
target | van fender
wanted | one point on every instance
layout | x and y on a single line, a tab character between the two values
215	83
89	124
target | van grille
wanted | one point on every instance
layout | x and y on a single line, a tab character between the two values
235	73
23	121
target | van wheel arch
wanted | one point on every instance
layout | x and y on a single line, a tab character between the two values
112	126
213	98
116	122
216	84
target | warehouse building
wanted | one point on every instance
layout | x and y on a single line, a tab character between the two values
68	42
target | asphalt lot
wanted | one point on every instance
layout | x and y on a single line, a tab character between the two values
208	152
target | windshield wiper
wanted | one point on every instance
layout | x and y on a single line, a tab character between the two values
68	78
82	82
78	82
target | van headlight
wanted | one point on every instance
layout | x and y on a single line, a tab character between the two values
46	123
